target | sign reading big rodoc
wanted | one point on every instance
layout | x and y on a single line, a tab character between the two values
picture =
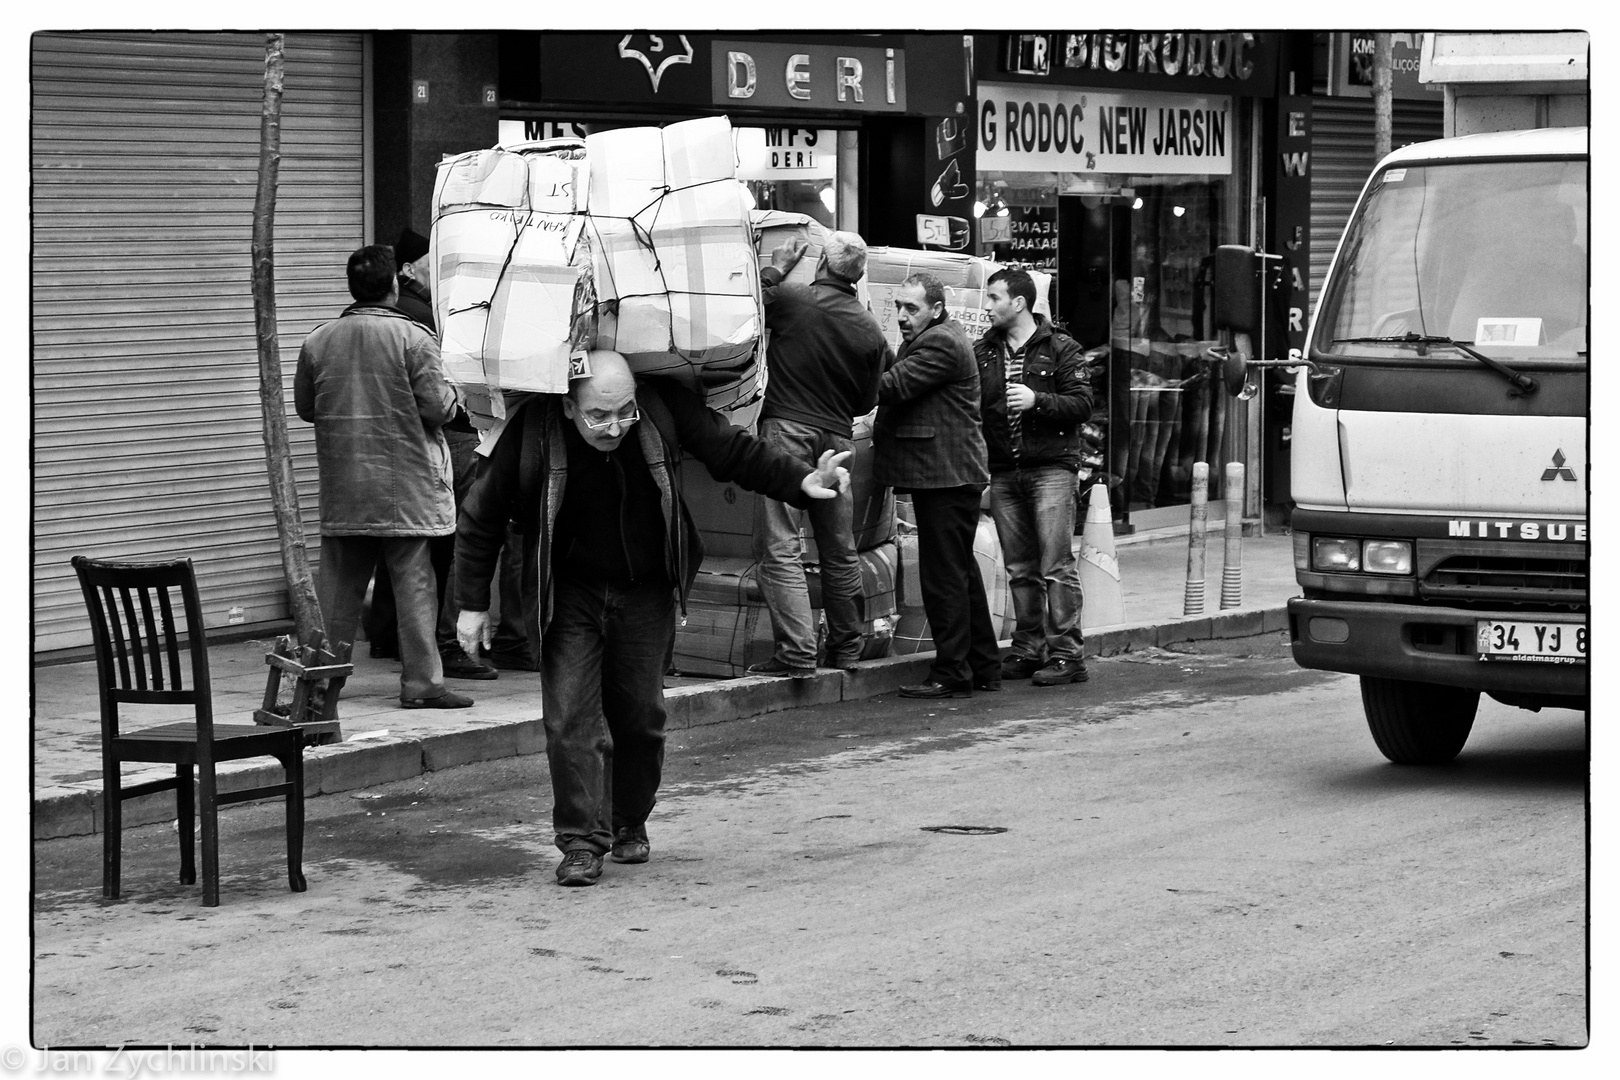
1025	128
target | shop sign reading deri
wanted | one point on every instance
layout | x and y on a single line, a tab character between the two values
1025	128
772	75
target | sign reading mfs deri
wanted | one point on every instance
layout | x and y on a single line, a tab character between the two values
1026	128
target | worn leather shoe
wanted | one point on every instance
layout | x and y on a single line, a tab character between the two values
630	845
447	700
511	660
579	867
1019	666
992	685
933	689
458	665
775	667
839	663
1068	669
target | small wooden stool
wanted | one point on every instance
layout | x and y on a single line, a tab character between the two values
318	676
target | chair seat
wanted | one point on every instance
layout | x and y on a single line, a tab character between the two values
186	731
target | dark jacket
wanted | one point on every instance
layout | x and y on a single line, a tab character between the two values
1054	367
927	433
524	478
416	302
825	355
371	383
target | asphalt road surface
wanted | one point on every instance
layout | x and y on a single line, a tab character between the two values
1200	847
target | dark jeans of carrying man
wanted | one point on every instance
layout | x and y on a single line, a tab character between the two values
602	684
953	596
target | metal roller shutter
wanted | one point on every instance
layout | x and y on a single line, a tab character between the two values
1342	159
146	421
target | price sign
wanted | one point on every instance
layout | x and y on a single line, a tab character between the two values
935	230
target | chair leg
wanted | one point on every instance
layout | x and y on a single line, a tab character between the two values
209	812
112	823
185	802
294	764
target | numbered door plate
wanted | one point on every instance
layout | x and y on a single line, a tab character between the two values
1547	643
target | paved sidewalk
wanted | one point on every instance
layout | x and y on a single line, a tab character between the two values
384	742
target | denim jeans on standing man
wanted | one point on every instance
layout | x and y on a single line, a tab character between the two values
781	573
1034	513
602	684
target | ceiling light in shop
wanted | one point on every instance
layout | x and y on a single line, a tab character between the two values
829	199
1137	205
1178	210
978	208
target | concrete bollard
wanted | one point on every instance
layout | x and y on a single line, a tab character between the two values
1232	572
1197	532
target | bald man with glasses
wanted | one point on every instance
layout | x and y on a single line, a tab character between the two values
609	553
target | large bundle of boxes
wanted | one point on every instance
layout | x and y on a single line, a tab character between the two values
636	240
964	277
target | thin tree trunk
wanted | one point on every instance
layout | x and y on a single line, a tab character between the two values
306	608
1383	94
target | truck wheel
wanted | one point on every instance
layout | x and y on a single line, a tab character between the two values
1418	723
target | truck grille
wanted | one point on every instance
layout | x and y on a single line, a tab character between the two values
1464	577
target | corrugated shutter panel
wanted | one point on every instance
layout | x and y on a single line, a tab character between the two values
1341	160
147	424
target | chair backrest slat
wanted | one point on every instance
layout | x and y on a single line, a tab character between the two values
154	645
136	662
171	639
109	612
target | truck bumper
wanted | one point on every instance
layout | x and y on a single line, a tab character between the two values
1419	644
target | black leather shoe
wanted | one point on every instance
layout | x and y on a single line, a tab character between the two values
458	665
775	667
384	650
511	661
1070	669
579	867
842	665
932	689
992	685
630	845
447	700
1018	666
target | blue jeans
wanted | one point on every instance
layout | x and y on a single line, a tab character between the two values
1034	514
781	574
346	566
602	661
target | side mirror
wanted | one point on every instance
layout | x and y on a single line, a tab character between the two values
1238	376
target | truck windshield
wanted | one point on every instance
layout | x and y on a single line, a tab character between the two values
1489	253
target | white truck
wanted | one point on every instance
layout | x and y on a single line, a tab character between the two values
1440	430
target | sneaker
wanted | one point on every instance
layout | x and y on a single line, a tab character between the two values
458	665
581	866
630	845
1019	666
775	667
447	700
1065	669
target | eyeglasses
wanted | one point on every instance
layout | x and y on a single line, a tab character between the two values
622	421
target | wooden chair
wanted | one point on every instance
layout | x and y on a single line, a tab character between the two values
138	640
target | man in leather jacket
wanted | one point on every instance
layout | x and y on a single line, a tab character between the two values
1035	396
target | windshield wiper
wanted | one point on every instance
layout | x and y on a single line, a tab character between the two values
1523	384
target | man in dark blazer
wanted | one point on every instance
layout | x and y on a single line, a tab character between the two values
927	441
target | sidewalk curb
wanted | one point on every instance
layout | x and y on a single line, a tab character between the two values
75	809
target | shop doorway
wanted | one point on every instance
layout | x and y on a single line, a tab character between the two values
1134	270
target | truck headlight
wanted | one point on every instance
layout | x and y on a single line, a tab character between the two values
1335	553
1386	556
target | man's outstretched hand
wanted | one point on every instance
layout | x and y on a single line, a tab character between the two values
829	478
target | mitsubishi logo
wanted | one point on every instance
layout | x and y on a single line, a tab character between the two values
650	50
1558	470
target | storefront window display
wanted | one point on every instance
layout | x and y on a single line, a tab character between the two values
1131	258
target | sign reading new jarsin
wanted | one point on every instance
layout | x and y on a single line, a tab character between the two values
1025	128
